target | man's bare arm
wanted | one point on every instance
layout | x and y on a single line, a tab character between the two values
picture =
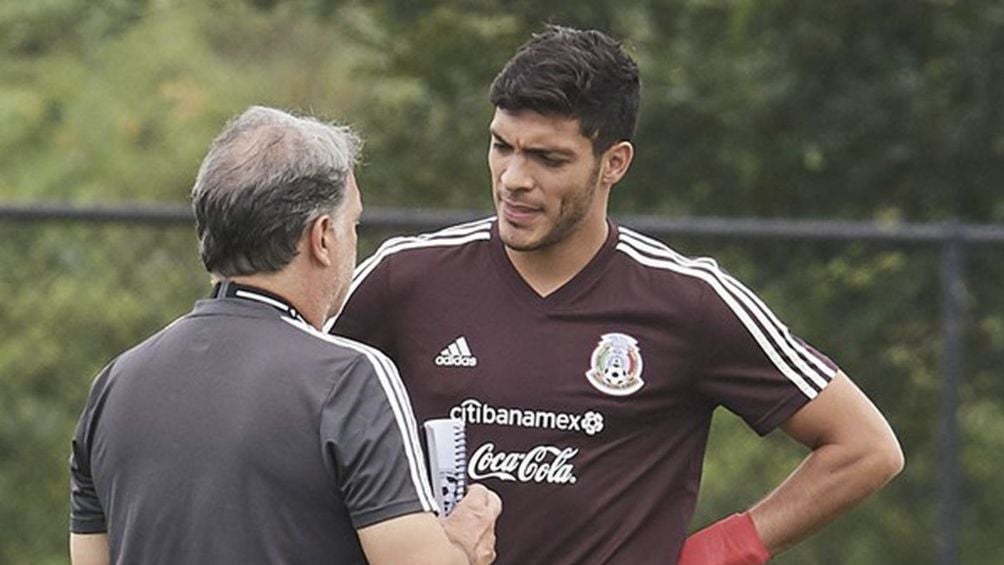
89	549
414	538
466	536
854	453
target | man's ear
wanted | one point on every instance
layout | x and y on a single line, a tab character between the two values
320	240
616	161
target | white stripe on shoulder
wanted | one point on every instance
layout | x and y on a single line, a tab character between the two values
711	266
778	330
415	243
400	403
452	236
464	234
797	378
460	229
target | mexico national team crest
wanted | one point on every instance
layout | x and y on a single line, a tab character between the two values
616	365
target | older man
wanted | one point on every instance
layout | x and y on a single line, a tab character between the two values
242	434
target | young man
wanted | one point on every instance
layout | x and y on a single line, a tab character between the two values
587	359
241	433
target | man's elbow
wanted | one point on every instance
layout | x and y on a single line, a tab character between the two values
895	460
885	461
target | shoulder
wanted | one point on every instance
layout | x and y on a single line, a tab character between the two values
718	290
139	354
353	353
662	265
446	241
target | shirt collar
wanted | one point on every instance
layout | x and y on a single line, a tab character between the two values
230	289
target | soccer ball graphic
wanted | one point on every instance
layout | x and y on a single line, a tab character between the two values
616	371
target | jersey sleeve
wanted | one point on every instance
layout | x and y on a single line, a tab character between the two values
87	515
371	445
364	315
752	364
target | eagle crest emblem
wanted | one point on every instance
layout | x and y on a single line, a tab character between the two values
616	365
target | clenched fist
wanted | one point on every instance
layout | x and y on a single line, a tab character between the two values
471	525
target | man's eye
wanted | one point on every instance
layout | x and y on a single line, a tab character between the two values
499	146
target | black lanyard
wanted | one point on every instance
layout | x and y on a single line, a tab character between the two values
230	289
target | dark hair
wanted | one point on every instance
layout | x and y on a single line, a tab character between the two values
266	177
576	74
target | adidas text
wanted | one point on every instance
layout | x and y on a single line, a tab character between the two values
457	354
456	361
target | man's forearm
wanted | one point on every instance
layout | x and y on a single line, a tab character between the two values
854	453
827	483
89	549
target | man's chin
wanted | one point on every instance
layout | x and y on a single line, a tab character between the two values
519	241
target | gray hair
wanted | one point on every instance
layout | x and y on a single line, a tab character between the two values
266	177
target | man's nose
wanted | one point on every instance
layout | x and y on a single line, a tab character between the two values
516	175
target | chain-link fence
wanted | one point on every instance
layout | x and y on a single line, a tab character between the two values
915	313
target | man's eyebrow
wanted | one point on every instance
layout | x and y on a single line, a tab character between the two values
542	151
551	152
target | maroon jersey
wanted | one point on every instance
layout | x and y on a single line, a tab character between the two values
587	410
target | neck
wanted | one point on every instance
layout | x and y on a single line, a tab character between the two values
548	269
294	289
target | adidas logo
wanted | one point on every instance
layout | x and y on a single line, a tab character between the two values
457	354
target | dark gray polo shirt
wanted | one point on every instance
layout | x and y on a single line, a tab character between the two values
239	434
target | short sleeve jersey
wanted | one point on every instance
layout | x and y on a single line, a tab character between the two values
238	434
588	410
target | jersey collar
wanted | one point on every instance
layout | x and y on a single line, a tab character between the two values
567	293
231	289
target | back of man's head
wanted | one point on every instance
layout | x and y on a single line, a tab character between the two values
266	177
575	74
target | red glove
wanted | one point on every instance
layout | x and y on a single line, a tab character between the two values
732	541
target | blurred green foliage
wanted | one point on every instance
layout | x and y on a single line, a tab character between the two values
852	110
